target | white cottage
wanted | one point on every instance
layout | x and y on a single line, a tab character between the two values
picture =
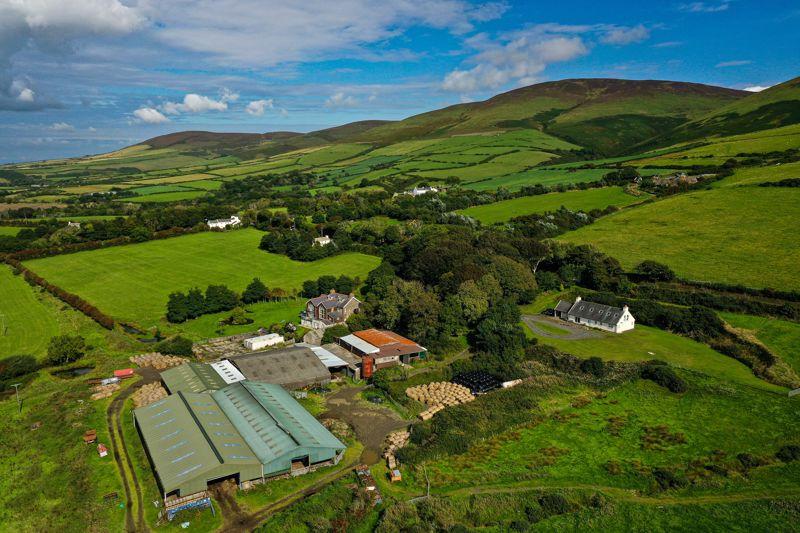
596	315
222	223
323	241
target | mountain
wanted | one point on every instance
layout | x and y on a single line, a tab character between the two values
771	108
604	115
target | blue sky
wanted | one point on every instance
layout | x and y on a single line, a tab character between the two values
87	76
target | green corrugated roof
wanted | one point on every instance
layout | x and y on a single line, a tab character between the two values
192	377
271	421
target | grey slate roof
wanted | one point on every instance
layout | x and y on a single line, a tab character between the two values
333	300
605	314
563	306
292	367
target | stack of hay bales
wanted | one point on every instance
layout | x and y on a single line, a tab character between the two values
157	360
104	391
394	441
147	394
439	395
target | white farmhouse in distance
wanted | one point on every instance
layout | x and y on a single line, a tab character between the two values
419	191
323	241
595	315
222	223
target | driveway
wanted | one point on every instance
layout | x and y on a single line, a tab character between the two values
571	331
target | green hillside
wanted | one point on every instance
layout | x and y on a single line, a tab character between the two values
772	108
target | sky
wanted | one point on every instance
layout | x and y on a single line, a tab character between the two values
88	76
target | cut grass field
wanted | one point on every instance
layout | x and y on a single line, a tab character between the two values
10	231
576	200
645	343
133	282
263	315
737	235
164	197
780	336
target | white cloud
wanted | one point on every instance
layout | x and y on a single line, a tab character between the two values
341	99
61	126
625	35
735	63
668	44
259	33
257	107
149	115
757	88
515	57
195	103
705	7
51	26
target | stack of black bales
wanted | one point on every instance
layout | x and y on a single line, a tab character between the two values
477	381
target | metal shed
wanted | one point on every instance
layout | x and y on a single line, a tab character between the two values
192	377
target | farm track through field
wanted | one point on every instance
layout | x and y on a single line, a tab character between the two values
119	449
571	331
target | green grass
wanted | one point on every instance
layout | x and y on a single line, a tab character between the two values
712	415
637	345
263	315
757	175
780	336
10	231
737	235
132	282
164	197
576	200
29	323
537	176
157	189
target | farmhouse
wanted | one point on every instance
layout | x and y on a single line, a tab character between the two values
247	432
222	223
419	191
381	349
322	241
328	309
294	368
596	315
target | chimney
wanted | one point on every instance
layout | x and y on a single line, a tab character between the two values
624	308
352	295
333	291
577	299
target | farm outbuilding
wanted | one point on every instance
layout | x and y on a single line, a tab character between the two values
246	431
193	377
294	368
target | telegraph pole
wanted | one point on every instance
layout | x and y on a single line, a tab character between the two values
19	402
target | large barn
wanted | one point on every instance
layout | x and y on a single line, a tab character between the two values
294	367
246	431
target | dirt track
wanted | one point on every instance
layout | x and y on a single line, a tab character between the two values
371	422
572	332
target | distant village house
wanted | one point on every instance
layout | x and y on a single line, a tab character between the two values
596	315
323	241
419	191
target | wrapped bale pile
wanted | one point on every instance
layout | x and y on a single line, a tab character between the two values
147	394
439	395
157	360
394	441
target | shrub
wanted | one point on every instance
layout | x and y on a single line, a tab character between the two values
175	346
65	349
594	366
664	376
333	332
554	504
748	460
653	271
15	366
667	479
788	453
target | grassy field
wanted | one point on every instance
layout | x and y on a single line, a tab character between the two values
263	315
738	235
780	336
132	282
26	323
575	200
573	448
164	197
9	231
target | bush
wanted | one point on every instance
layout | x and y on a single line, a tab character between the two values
554	504
667	479
65	349
15	366
594	366
334	332
788	453
653	271
664	376
175	346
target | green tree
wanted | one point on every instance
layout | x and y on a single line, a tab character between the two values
177	308
220	298
326	283
65	349
654	271
175	346
310	288
195	303
256	291
334	332
515	278
345	284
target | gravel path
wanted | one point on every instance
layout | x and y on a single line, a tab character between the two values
571	331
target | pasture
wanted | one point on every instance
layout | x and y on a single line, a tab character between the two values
133	282
780	336
9	231
263	314
585	200
644	343
164	197
736	235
